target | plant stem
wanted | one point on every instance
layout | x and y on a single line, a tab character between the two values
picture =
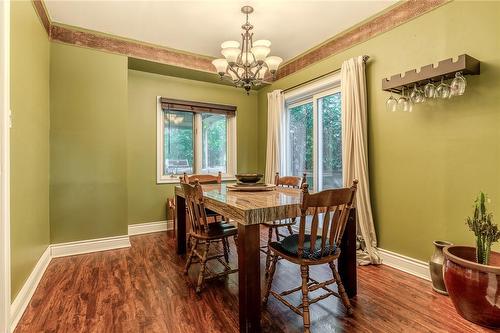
487	251
479	250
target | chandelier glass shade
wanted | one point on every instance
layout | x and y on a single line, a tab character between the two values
246	64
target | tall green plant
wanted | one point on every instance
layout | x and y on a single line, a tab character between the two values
482	225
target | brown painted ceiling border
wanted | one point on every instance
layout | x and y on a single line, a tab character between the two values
42	14
399	14
98	41
386	21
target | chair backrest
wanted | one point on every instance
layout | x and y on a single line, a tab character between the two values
289	181
195	205
335	204
204	178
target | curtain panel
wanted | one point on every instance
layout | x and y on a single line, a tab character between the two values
275	142
355	154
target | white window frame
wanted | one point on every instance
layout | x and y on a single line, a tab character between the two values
197	125
310	93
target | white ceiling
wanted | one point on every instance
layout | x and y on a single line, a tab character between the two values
200	26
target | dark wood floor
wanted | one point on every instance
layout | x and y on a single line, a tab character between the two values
142	289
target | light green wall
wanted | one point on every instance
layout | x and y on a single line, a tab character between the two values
29	142
426	167
146	199
88	105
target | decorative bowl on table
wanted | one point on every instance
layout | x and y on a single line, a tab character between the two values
249	178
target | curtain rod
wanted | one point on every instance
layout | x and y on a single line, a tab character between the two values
365	59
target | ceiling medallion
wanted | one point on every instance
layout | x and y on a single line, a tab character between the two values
246	64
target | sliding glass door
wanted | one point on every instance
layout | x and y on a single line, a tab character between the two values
313	136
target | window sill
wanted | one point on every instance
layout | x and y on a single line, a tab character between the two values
175	180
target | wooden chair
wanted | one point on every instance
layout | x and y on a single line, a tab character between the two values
208	179
204	234
287	181
314	248
203	178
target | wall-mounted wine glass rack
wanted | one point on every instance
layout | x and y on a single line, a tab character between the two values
446	69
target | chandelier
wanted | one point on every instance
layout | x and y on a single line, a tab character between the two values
246	64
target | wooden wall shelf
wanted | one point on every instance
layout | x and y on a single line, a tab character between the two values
445	68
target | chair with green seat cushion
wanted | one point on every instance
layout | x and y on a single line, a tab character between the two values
211	215
289	182
205	234
290	245
320	246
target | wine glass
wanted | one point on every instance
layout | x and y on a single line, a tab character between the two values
403	102
391	104
458	84
443	90
417	95
430	90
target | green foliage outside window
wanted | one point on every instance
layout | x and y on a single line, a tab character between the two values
301	140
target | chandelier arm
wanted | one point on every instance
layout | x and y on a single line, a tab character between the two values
247	38
235	73
240	57
230	80
254	75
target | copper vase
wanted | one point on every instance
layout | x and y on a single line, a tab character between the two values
436	267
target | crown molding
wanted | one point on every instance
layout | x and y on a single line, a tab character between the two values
42	14
395	16
383	22
98	41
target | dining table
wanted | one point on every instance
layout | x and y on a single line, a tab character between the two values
247	210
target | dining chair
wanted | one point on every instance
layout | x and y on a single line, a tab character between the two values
211	215
286	181
203	178
206	179
205	234
321	246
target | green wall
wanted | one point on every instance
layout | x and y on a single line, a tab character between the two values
29	142
146	199
88	136
426	167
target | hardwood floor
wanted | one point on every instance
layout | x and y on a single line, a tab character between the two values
142	289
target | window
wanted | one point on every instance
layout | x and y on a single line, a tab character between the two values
195	138
313	134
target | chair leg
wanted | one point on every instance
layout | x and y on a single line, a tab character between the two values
190	257
268	254
304	273
277	233
269	278
225	246
290	230
201	275
342	292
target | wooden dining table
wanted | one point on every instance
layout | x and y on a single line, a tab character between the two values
248	210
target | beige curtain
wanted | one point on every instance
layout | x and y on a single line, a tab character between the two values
355	153
275	110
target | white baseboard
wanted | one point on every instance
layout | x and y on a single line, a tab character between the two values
23	298
147	228
406	264
87	246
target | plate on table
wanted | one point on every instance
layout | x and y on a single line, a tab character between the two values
251	187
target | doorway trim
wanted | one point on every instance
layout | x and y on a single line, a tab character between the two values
5	283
